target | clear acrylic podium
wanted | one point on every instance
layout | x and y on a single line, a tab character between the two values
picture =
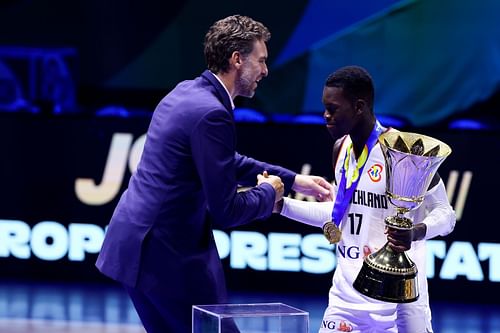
249	318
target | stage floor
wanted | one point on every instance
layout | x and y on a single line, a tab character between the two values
78	308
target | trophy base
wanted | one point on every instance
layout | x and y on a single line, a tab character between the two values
395	286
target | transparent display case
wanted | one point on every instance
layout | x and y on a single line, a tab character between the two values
249	318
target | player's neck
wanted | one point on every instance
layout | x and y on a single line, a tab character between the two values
361	134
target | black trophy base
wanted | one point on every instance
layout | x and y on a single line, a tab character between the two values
384	286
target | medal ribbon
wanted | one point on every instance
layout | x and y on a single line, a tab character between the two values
347	186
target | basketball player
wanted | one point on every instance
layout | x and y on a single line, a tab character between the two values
348	98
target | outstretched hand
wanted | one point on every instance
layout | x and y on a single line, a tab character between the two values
314	186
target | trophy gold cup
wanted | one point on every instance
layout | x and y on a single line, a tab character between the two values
411	162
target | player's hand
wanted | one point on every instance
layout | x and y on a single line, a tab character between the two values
400	240
314	186
275	182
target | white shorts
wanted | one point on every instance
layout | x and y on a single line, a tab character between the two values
337	319
414	318
410	318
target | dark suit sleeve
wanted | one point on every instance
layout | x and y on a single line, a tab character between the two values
213	150
248	169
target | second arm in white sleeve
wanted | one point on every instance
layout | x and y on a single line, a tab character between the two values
441	217
312	213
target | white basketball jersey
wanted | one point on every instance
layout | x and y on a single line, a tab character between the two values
363	232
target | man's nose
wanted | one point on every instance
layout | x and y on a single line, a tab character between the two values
265	71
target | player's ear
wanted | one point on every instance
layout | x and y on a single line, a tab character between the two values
360	106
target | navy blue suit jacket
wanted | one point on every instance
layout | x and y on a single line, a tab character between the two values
159	239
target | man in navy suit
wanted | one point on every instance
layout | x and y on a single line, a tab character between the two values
159	243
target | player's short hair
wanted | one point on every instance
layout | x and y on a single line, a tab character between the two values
356	83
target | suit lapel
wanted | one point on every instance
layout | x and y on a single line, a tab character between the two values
221	92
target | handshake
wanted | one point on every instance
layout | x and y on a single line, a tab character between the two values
314	186
276	183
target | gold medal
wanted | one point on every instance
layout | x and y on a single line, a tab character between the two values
332	232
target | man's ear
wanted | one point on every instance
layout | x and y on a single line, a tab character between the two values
235	59
360	106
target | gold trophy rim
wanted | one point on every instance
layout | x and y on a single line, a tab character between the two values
391	136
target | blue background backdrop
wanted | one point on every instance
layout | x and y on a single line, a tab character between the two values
432	62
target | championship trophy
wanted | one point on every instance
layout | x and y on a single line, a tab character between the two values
411	162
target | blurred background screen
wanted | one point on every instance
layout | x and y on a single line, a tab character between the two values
80	79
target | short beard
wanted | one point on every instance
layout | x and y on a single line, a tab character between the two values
244	86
